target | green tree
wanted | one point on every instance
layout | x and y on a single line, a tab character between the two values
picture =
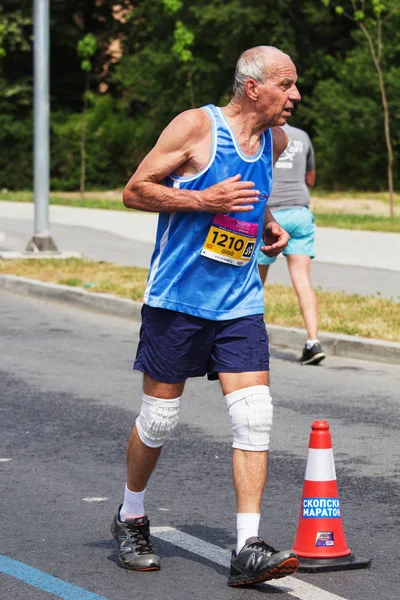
176	54
370	16
15	51
152	80
16	127
111	141
183	40
86	48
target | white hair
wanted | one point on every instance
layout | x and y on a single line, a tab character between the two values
255	63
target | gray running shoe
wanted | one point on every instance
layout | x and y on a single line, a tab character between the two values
134	548
258	562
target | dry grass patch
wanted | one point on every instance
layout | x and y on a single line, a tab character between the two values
127	282
365	316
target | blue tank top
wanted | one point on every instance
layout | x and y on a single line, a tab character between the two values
205	264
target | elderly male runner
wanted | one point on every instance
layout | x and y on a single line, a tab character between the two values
203	305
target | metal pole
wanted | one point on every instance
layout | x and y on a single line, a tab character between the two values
42	240
41	115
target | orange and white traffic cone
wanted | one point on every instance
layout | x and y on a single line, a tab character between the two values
320	543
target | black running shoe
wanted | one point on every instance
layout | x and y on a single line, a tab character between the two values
313	355
134	547
258	562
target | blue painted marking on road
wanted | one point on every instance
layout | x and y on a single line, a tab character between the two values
44	581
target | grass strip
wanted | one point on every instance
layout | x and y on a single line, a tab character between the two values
75	201
365	316
355	221
350	194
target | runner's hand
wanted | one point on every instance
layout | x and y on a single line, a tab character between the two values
275	239
230	195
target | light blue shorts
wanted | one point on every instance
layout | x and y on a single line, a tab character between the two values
299	223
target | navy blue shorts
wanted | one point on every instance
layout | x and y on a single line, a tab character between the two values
174	346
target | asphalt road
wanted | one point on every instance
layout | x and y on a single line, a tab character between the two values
68	400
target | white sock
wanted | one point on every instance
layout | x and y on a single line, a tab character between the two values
310	343
247	526
133	505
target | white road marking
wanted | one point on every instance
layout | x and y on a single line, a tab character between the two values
94	499
5	459
291	585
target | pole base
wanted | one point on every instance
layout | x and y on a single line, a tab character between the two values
41	243
343	563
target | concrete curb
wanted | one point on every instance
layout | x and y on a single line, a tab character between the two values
334	344
104	303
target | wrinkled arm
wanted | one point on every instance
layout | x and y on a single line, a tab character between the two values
144	190
274	236
175	148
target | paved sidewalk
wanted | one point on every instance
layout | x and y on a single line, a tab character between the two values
370	249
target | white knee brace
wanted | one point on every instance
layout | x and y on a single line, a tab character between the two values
250	410
156	420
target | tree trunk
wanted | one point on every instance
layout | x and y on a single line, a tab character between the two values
388	142
83	138
386	115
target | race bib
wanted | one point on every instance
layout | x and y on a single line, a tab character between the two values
230	241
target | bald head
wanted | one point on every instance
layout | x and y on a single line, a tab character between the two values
257	63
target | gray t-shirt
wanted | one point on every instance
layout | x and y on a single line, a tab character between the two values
289	189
